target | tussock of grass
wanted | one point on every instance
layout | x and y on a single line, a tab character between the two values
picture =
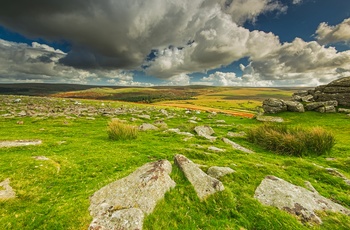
120	131
295	141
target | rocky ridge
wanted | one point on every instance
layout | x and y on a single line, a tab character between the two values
323	99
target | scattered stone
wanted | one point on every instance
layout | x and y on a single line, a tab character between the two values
205	131
41	158
123	203
239	134
147	117
237	146
146	127
215	149
192	121
269	119
18	100
22	113
218	172
294	106
296	200
20	122
203	184
164	112
90	118
342	110
181	133
7	192
338	174
330	159
161	124
19	143
133	119
273	105
220	121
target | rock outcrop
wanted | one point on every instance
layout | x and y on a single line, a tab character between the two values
323	99
123	203
338	90
296	200
273	105
203	184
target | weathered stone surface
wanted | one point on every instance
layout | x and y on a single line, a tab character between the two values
205	131
273	105
124	219
269	119
307	98
294	106
217	172
140	190
215	149
316	105
203	184
237	146
181	133
6	191
145	116
296	200
338	174
338	90
326	109
146	126
19	143
239	134
161	124
342	110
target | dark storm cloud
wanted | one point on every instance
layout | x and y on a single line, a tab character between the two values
120	34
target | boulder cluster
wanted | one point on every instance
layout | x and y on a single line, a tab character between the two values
323	99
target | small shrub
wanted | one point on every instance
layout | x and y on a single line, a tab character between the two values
292	141
119	131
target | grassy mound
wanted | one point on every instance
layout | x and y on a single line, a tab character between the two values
120	131
295	141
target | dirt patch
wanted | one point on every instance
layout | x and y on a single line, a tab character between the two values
4	144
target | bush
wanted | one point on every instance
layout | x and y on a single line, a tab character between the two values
295	141
119	131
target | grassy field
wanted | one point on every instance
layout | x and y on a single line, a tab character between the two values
54	194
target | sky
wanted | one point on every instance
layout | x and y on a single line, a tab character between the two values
253	43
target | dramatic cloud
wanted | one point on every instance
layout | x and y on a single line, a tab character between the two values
40	63
166	39
326	34
120	34
300	63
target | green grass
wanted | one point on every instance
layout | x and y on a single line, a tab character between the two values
296	141
55	194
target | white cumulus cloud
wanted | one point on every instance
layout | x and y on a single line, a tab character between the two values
327	34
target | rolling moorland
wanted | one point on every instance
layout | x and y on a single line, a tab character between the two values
53	181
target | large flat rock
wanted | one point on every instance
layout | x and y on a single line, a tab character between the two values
296	200
203	184
125	201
